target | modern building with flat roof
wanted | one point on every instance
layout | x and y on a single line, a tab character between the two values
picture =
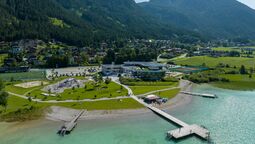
142	70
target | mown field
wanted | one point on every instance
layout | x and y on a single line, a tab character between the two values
213	62
35	75
237	82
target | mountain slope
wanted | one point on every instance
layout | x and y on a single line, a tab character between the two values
121	18
218	18
34	19
80	22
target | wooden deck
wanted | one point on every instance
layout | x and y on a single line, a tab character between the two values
200	94
189	130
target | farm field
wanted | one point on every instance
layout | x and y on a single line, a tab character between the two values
231	48
34	75
237	82
213	62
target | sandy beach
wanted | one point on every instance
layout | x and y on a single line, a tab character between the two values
65	114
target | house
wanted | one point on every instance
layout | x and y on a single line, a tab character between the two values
15	49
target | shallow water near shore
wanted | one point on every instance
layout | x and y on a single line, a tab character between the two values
230	119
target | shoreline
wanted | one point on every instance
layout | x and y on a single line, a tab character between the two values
56	113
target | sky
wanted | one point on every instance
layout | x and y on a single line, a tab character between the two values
250	3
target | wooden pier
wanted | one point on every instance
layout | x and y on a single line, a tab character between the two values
68	127
184	131
189	130
200	94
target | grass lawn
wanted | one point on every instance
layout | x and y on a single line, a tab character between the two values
145	89
18	90
18	109
91	92
237	82
36	75
105	105
213	62
168	94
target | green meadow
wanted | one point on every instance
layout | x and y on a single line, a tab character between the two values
213	62
237	82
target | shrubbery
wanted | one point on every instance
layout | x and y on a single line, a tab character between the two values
206	77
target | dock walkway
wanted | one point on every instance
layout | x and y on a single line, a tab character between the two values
68	127
185	129
200	94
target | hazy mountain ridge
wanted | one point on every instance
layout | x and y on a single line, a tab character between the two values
218	18
82	22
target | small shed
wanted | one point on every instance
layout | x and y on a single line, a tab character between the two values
151	99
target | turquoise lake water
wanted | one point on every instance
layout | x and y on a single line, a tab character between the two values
230	119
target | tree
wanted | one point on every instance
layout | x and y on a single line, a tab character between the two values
29	99
1	85
243	70
251	70
4	99
107	80
98	78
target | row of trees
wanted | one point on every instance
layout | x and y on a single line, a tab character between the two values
130	54
3	95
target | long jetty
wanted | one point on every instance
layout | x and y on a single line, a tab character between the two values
68	127
184	131
200	94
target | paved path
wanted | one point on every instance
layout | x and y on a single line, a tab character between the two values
114	79
69	101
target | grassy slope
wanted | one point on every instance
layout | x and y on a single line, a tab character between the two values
237	82
213	62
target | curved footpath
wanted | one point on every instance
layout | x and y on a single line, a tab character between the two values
68	101
64	114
